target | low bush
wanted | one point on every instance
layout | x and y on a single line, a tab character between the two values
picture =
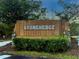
47	45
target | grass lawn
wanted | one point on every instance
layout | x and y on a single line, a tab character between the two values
43	54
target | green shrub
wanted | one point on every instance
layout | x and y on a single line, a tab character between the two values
47	45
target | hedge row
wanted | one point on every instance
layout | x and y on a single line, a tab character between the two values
51	45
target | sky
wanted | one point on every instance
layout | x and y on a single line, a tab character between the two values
51	5
54	5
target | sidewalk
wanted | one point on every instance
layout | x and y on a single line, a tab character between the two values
6	45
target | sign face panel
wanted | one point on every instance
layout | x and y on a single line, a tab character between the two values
39	27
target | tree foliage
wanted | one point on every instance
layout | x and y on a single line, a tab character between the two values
12	10
70	9
74	29
5	29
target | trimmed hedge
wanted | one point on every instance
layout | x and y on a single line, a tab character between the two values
51	45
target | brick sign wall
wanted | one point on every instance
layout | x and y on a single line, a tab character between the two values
37	28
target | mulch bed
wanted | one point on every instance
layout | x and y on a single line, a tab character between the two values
73	52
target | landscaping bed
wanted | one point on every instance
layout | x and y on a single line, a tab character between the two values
70	54
35	42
